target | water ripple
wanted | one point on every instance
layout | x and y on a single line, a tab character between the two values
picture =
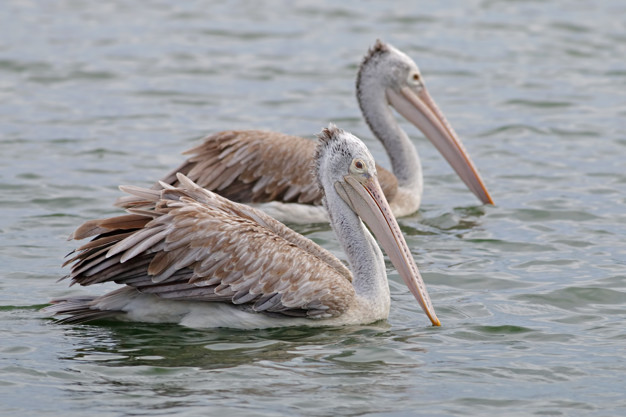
531	291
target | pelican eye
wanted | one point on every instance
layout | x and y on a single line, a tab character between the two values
415	81
358	166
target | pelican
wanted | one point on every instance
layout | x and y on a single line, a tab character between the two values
272	170
187	255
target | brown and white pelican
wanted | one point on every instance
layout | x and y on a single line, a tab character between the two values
187	255
273	169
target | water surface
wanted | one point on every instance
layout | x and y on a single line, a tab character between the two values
531	292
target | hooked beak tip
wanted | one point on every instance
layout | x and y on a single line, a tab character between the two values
488	199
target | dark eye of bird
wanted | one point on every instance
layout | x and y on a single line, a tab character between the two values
416	77
358	165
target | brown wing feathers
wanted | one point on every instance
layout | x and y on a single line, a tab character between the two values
188	243
255	166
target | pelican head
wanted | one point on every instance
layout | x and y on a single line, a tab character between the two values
387	76
346	169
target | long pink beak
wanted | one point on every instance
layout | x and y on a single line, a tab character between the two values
420	109
368	201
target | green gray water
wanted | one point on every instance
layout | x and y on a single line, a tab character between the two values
531	292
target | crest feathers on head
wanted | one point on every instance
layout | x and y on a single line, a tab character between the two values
378	48
327	137
328	134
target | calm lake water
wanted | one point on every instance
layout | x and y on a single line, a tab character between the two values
531	292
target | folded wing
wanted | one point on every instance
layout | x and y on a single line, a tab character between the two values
255	166
187	243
